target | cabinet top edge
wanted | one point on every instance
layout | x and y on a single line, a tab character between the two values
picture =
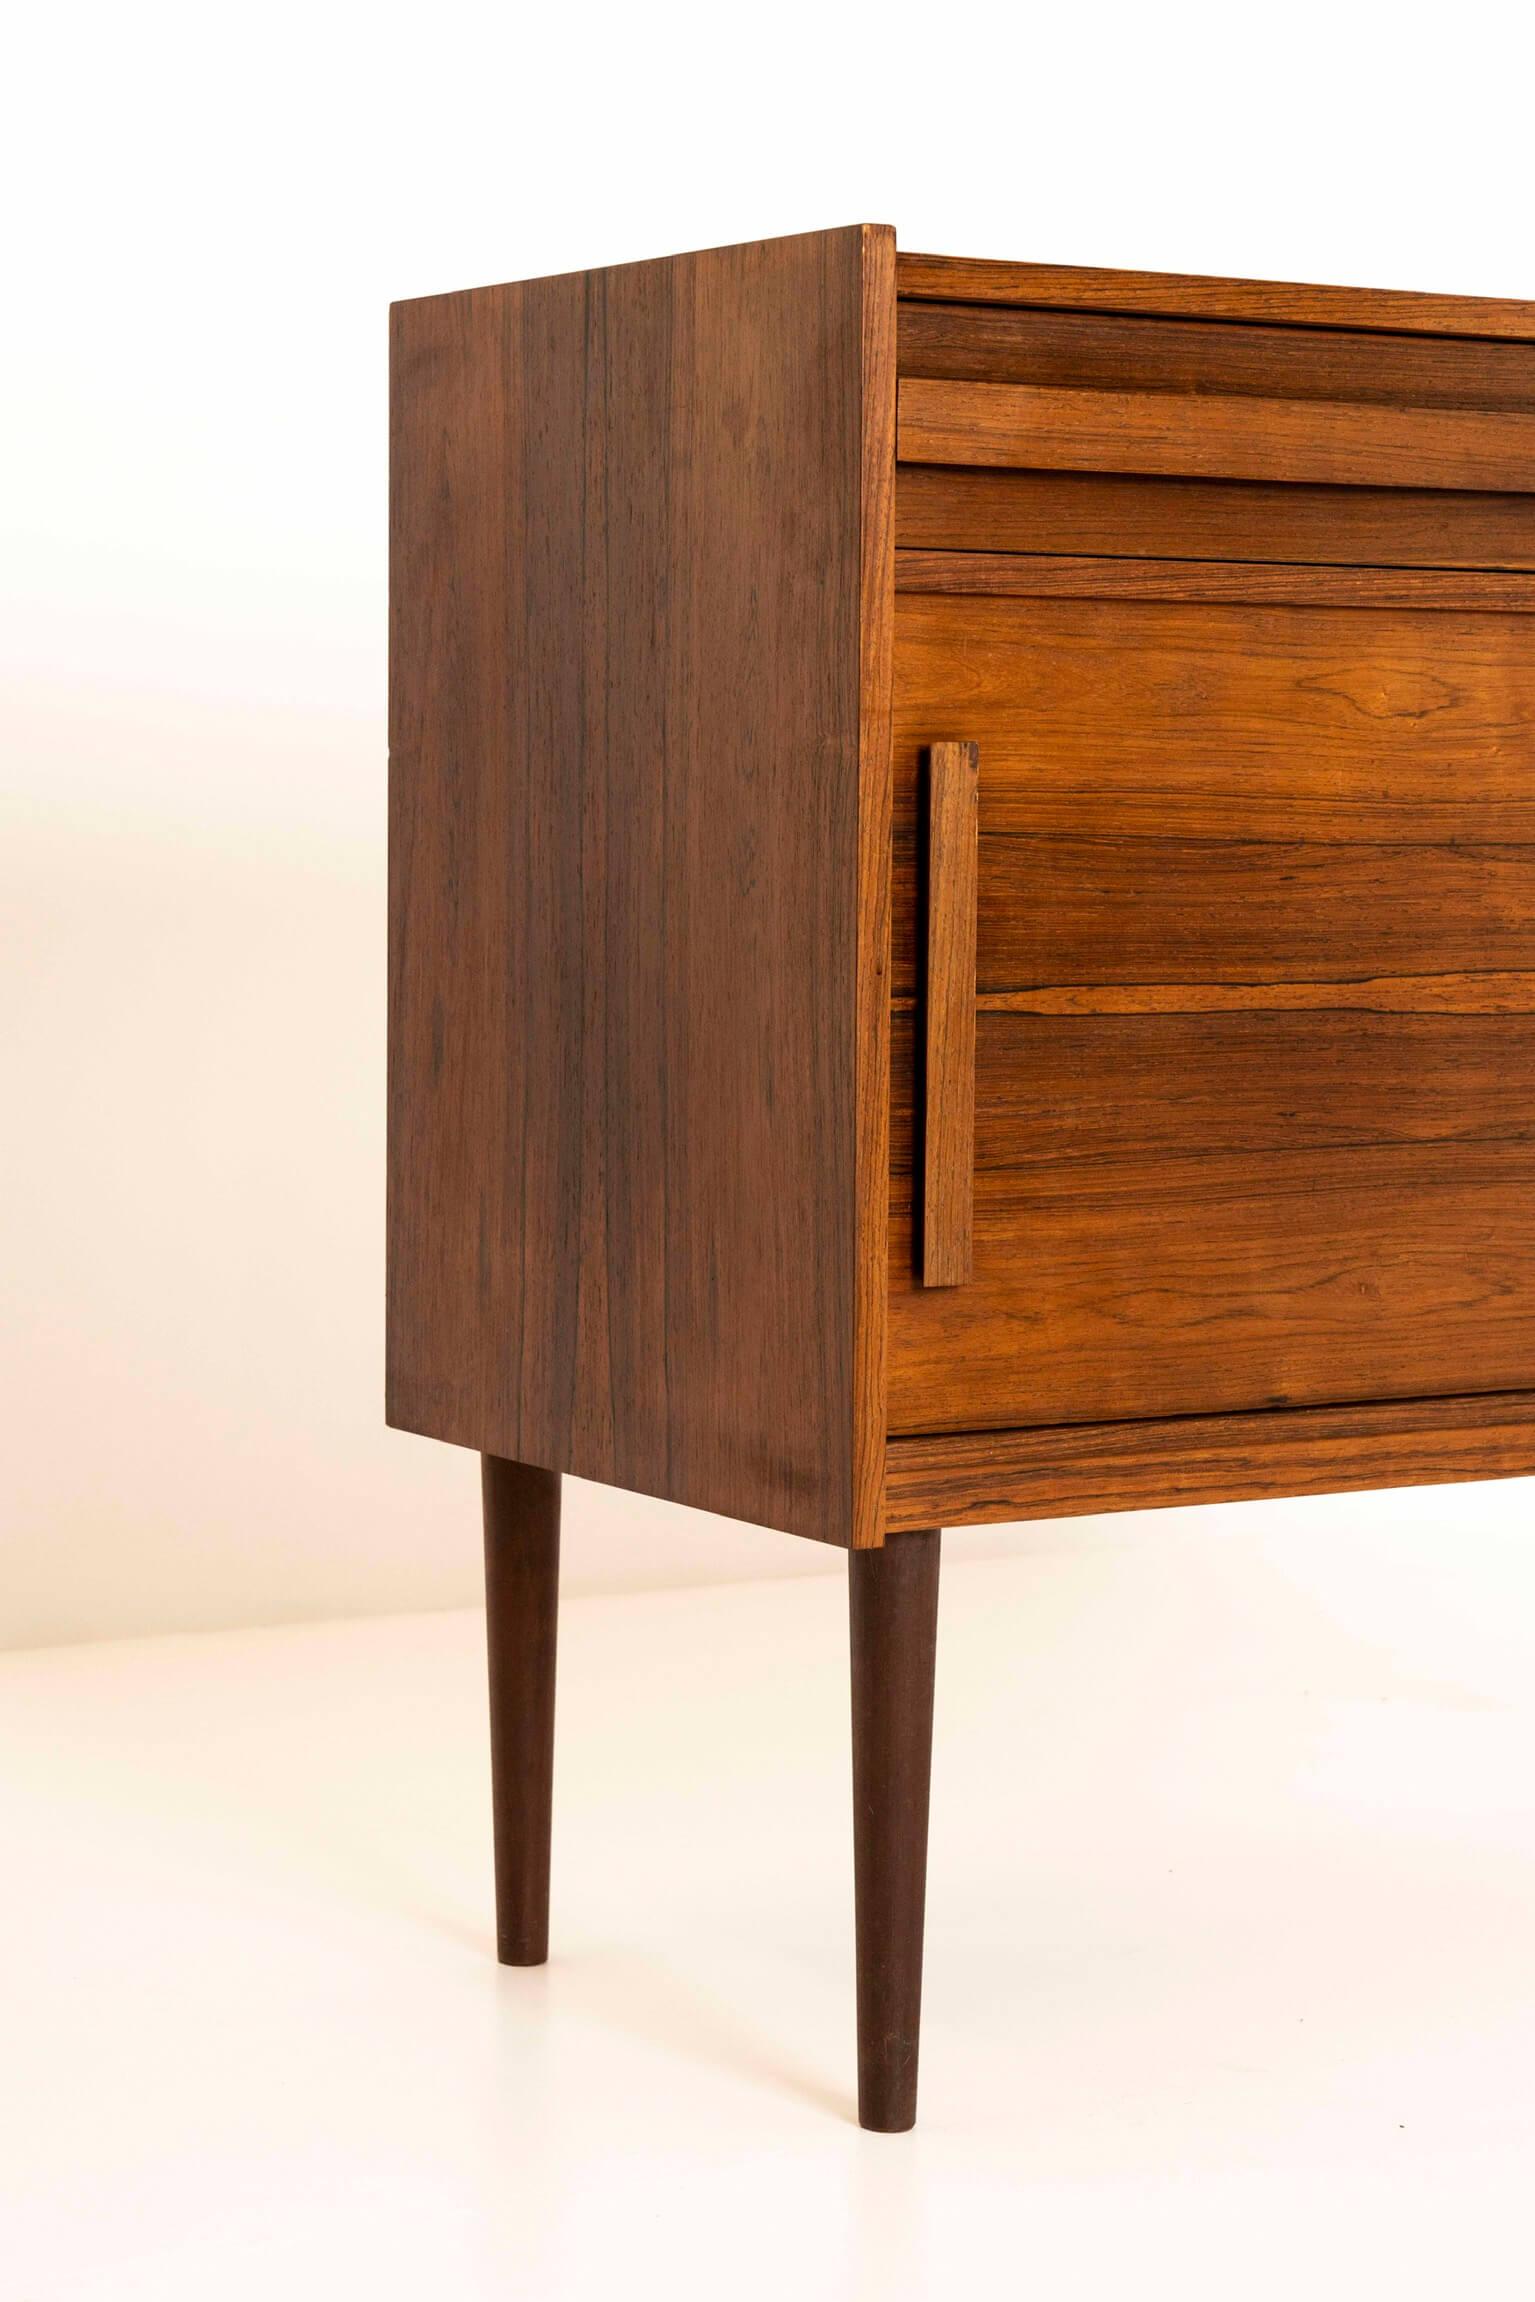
1088	288
1189	296
642	264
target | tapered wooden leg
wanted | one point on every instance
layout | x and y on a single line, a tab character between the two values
522	1577
893	1605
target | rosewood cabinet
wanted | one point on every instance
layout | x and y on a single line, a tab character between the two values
962	927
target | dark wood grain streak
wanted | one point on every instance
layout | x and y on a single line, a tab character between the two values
945	508
633	754
1020	575
1134	908
1063	1089
1155	1285
1334	443
948	1133
1071	1472
1184	295
893	1610
1485	993
1092	351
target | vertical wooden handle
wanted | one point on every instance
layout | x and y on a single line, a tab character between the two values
948	1159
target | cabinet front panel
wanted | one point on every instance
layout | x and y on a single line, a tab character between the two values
1255	1061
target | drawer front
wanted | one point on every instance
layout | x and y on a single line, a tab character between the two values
1050	430
1117	352
946	508
1175	791
1233	436
1255	1041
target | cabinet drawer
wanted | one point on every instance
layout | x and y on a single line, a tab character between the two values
1210	791
1233	436
947	508
1222	1283
1255	1042
1117	351
1190	1082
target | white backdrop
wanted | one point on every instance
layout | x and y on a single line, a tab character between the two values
209	211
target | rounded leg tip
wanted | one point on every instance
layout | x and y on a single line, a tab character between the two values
522	1953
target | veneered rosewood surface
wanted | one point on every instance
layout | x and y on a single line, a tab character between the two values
1078	1089
1293	811
1056	908
1182	295
876	666
1382	822
1129	1466
946	508
1015	575
1126	715
1144	1285
1334	443
1484	992
565	1075
949	998
1089	350
640	631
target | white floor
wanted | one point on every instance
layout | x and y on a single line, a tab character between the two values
1231	1952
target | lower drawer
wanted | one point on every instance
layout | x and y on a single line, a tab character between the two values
1192	1284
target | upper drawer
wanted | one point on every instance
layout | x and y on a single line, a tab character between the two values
1097	351
1208	435
1073	391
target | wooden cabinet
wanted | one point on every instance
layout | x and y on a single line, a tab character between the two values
962	923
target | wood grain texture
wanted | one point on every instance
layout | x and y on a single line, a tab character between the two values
1138	909
1074	1471
1182	295
876	648
1072	1089
1332	443
522	1588
1297	1198
1096	352
1487	993
1135	718
948	1133
1142	1287
893	1622
1022	575
944	508
633	760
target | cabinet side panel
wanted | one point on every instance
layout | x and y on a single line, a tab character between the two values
625	725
